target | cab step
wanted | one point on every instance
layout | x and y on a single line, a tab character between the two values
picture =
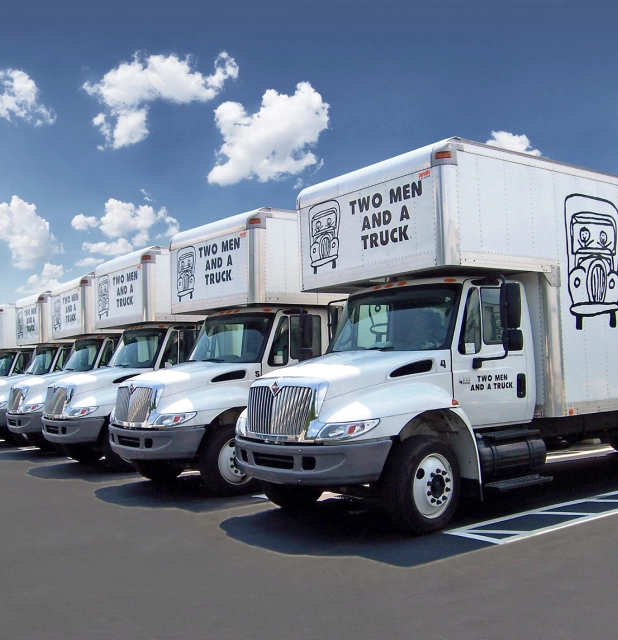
518	483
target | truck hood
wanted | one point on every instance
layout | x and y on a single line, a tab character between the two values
35	387
350	371
184	378
104	377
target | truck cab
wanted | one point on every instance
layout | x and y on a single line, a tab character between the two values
132	294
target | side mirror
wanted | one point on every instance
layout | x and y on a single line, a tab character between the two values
514	339
333	321
510	305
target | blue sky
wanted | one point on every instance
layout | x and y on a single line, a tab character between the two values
309	90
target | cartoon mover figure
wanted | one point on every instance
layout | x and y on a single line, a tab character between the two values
324	221
57	315
186	273
20	323
591	236
103	296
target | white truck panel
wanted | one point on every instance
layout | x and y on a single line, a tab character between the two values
73	308
8	336
33	319
251	258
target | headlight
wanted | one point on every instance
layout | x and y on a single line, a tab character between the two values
344	430
35	406
79	412
241	424
3	404
173	419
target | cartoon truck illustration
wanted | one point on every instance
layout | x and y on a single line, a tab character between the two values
324	241
20	323
185	283
57	314
103	296
591	238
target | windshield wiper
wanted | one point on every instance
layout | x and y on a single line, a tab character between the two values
123	366
213	360
386	347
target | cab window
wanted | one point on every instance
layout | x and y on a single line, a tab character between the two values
63	356
492	325
470	339
295	346
279	352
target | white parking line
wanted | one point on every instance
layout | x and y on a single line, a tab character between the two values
531	523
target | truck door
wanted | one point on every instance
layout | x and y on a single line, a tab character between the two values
498	392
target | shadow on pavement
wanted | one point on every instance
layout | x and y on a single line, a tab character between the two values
341	527
28	455
71	470
187	493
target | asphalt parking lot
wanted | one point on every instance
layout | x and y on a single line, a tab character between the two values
92	554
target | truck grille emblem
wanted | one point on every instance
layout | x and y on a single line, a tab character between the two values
131	389
274	388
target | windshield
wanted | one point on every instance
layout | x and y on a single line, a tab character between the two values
6	360
42	361
84	355
418	318
233	339
138	348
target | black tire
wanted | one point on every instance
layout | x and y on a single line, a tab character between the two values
112	459
291	498
218	468
157	470
13	439
82	453
38	440
421	485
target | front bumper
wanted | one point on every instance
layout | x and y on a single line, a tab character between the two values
318	465
82	430
24	422
153	444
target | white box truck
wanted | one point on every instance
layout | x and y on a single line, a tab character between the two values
131	292
72	318
33	327
244	271
484	328
13	359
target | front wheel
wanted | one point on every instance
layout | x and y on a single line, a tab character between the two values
217	465
291	498
421	485
82	453
157	470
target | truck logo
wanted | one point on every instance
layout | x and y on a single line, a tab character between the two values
591	225
274	388
132	388
57	315
324	232
20	323
103	296
185	284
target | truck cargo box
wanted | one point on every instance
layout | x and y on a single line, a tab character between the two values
73	308
33	319
251	258
458	207
8	336
135	288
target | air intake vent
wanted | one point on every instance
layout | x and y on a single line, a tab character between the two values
422	366
230	375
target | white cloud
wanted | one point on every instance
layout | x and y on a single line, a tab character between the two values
512	142
89	262
20	99
47	279
120	246
147	196
126	91
272	142
83	223
26	233
122	219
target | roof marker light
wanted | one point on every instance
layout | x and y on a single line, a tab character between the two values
442	155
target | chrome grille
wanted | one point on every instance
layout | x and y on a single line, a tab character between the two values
133	406
284	414
55	401
15	397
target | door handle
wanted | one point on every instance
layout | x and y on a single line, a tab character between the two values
521	385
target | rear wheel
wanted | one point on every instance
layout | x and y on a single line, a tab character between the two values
217	465
291	498
421	485
83	453
157	470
